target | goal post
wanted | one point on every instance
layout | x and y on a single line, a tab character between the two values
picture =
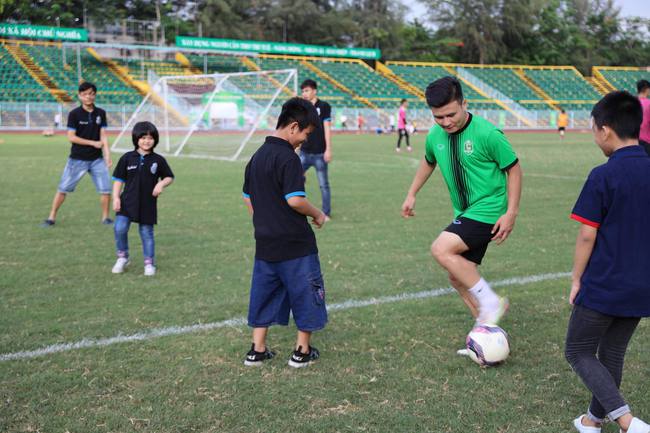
212	116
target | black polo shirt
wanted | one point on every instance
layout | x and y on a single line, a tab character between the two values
86	125
140	174
316	141
273	175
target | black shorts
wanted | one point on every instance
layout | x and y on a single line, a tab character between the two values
475	234
561	128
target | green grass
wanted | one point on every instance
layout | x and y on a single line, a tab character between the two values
384	368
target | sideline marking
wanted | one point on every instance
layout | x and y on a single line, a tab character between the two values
241	321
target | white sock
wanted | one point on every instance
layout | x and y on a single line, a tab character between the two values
484	295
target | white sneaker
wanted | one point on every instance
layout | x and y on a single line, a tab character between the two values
638	426
149	270
120	265
493	317
462	352
577	423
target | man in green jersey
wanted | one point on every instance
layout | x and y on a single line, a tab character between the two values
483	176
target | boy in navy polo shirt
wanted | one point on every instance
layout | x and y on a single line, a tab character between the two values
144	174
286	274
610	291
87	133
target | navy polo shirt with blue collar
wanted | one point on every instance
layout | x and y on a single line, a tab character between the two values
88	125
616	200
273	175
140	174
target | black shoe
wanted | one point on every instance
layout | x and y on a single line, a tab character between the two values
299	359
107	221
254	358
47	223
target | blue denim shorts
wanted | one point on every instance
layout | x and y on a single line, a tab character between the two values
294	286
76	168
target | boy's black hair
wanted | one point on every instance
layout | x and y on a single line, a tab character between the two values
298	110
141	129
402	101
443	91
641	85
309	83
87	85
562	110
621	111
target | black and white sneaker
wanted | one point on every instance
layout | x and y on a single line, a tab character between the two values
254	359
299	359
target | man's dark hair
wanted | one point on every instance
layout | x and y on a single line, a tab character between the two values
141	129
641	85
87	85
298	110
620	111
443	91
309	83
562	110
402	101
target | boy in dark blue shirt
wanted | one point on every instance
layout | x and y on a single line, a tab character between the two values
610	291
286	274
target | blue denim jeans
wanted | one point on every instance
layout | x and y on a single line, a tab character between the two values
122	225
295	286
317	160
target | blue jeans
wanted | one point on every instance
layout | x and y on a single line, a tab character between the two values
122	225
317	160
295	286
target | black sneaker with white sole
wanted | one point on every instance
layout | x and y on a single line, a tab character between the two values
254	358
299	359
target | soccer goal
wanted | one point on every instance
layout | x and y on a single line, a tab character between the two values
213	116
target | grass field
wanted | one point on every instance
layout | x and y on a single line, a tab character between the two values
388	367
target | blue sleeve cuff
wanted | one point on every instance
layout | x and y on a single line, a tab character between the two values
243	194
71	129
117	179
328	119
295	194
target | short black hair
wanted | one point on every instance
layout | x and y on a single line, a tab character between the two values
621	111
298	110
141	129
87	85
641	85
443	91
309	83
402	101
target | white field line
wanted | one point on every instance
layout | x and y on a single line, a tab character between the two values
241	321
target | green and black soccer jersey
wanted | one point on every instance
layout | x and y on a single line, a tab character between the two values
473	162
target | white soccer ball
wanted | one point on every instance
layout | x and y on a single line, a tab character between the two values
487	345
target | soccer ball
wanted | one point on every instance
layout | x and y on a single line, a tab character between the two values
487	345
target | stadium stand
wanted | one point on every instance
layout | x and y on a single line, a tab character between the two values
17	84
365	82
566	86
326	90
421	74
505	80
623	78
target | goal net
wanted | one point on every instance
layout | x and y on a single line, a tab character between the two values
212	116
